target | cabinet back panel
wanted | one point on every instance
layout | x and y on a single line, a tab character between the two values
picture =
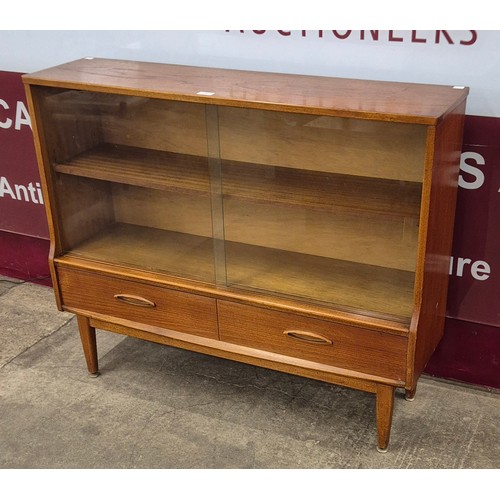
329	144
381	240
167	210
161	125
72	122
77	121
360	288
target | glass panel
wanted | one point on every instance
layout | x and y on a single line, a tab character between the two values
322	209
132	180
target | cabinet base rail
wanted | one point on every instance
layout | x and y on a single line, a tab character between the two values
382	388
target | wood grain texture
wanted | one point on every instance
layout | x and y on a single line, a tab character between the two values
384	409
165	170
46	180
403	102
319	190
179	311
140	167
325	204
85	207
244	354
363	220
353	236
428	326
363	289
374	149
88	339
350	348
273	302
152	249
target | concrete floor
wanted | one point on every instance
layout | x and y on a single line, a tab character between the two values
156	407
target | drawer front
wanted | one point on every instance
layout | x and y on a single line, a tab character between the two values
145	304
366	351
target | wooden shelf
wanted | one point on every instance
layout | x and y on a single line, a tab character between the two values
153	249
320	190
140	167
268	184
358	287
361	288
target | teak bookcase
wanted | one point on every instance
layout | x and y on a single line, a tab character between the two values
297	223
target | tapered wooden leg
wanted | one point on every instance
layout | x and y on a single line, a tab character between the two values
87	336
410	394
385	406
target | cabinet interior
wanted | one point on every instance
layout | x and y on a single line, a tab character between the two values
317	208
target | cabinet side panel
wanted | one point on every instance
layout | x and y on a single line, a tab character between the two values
439	238
41	131
73	124
86	209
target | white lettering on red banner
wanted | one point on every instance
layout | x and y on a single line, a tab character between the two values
17	115
30	193
480	270
474	177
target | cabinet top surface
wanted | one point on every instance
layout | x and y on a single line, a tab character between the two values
365	99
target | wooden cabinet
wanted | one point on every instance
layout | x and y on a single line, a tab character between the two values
299	223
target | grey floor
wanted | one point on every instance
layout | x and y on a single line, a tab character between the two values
156	407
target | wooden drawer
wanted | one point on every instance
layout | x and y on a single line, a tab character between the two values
367	351
146	304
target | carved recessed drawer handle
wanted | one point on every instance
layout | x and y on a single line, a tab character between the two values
134	300
312	338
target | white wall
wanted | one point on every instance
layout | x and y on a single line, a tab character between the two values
398	55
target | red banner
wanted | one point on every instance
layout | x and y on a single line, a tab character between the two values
21	200
475	278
